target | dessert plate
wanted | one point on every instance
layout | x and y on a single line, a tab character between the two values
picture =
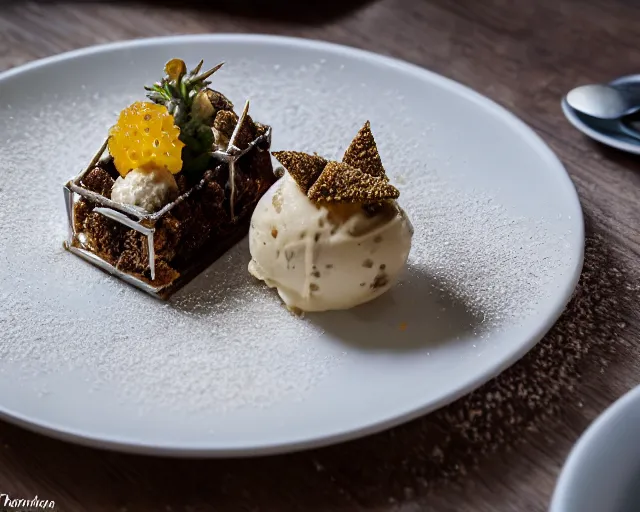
221	368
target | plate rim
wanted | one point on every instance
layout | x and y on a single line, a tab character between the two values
585	129
393	417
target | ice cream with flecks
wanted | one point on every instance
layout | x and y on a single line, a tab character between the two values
330	235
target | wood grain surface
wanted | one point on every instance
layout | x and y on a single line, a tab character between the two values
523	54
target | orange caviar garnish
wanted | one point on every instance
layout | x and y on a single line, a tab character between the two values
145	136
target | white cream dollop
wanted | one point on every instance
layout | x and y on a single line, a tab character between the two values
321	258
149	189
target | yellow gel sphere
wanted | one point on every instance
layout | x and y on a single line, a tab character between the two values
145	135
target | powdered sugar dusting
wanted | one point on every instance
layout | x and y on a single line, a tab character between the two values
493	261
225	342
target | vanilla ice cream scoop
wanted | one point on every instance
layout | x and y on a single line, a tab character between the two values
326	257
149	189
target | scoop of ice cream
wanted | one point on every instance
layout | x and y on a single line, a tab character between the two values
149	189
325	257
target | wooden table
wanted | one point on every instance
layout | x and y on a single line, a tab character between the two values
523	54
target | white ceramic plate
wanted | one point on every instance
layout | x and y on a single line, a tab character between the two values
222	369
603	468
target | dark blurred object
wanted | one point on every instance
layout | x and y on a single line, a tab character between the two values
306	12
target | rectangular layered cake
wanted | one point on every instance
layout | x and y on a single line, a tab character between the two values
173	186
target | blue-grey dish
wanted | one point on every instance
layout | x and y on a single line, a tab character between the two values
602	472
623	135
